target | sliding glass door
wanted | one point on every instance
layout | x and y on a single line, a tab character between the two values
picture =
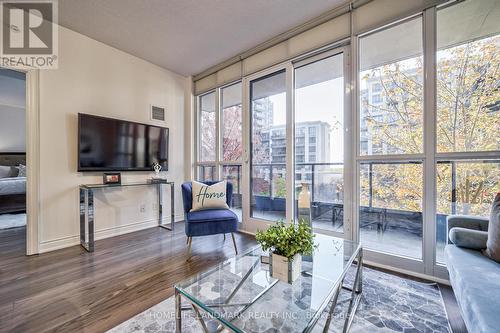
268	147
296	128
319	91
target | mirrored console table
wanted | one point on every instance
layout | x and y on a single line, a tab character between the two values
87	228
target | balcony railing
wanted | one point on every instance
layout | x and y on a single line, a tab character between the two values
326	184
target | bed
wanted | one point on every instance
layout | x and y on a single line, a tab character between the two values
12	187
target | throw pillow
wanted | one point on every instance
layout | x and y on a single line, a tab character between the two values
4	171
22	170
209	197
471	239
493	243
14	172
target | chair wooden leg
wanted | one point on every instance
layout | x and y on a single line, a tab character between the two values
234	243
187	240
224	237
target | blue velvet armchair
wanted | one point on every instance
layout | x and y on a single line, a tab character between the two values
210	221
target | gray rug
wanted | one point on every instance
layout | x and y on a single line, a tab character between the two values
389	304
8	221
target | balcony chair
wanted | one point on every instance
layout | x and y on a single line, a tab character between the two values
210	221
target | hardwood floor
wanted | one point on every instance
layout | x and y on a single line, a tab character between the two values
457	324
70	290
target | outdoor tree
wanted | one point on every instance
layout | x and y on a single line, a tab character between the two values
468	119
232	146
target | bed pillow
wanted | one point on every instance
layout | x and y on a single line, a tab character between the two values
209	196
4	171
14	172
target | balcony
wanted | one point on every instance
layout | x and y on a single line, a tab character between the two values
383	226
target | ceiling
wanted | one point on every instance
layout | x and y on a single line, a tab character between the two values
187	36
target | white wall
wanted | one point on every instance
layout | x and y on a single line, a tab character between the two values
98	79
12	111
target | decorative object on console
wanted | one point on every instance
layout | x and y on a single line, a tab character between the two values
112	178
157	169
209	196
286	244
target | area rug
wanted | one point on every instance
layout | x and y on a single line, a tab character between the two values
389	304
8	221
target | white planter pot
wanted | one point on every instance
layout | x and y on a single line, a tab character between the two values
283	269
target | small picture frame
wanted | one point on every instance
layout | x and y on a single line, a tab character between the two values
112	178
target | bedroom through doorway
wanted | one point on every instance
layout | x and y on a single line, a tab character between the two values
12	157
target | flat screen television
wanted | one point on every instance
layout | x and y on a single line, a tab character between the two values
106	144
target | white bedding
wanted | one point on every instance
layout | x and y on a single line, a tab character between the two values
9	186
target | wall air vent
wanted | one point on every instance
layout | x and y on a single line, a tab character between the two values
157	113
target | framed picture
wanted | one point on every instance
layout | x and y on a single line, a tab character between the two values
112	178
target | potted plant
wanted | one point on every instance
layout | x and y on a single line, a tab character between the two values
286	244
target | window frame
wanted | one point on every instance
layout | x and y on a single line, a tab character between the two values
219	163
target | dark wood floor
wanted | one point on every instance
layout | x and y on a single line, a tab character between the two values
71	290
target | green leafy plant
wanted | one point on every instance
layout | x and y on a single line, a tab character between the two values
287	241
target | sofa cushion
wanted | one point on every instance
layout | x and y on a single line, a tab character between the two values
211	222
211	215
493	244
475	279
472	239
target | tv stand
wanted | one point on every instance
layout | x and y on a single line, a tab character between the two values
87	229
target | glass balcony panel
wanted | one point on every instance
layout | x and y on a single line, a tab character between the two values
207	173
390	212
232	173
463	188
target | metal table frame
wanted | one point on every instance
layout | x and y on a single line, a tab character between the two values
86	193
355	290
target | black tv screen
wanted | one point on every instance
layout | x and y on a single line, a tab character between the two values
106	144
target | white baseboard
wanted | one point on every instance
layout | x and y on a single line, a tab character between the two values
63	242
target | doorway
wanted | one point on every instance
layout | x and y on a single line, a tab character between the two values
296	132
13	161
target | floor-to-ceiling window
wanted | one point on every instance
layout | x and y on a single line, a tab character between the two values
231	143
425	143
468	113
220	146
268	118
319	139
391	139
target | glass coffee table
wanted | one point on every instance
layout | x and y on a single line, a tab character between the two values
239	295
